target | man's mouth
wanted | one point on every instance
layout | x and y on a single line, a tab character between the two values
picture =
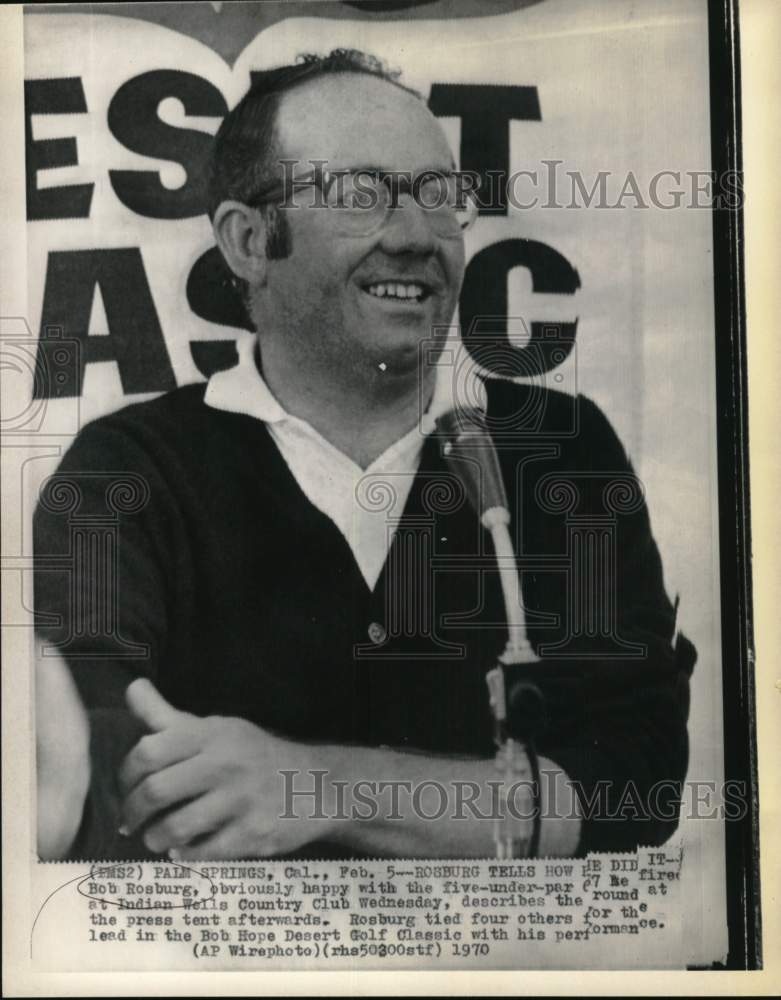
399	291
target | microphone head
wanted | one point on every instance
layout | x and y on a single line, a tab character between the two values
469	451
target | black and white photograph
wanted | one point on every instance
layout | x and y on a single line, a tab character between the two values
378	478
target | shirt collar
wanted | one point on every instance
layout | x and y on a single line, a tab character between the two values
242	389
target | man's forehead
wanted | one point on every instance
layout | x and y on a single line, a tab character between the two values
352	119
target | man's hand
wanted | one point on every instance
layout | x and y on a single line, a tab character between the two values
62	752
206	788
211	788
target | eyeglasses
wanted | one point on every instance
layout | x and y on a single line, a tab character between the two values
362	201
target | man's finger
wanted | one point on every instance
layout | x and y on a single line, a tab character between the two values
164	789
229	842
157	751
148	705
206	815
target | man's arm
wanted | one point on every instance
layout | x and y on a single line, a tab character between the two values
205	788
62	751
79	750
83	726
620	727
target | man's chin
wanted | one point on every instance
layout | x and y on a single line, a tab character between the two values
401	343
402	352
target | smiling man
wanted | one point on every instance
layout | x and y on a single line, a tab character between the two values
306	606
342	316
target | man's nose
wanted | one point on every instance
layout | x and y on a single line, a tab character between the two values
407	229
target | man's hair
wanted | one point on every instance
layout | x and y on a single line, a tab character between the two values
245	154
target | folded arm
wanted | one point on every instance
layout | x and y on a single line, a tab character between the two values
206	788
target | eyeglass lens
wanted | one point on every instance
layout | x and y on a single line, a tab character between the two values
364	199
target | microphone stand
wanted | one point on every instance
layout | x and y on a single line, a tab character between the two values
470	452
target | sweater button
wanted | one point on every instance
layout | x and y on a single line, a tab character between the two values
377	633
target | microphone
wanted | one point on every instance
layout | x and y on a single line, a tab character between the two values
468	449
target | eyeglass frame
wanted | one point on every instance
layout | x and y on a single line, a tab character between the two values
396	181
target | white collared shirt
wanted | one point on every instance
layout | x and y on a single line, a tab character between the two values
364	504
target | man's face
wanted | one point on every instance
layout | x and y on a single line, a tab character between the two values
323	298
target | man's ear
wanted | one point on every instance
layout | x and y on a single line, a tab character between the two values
240	232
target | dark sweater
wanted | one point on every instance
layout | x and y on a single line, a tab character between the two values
236	596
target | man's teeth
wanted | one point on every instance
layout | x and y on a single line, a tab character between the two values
396	290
